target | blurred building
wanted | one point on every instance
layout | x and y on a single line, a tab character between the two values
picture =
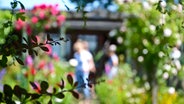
98	25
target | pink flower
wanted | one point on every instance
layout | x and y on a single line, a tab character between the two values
50	49
43	6
38	39
35	7
33	70
72	74
22	11
56	57
42	14
41	64
54	10
34	19
37	87
60	19
28	29
19	24
51	67
29	60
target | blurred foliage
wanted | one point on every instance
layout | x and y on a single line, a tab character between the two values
46	79
124	89
147	35
147	39
5	16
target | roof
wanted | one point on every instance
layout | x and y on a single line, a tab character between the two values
97	20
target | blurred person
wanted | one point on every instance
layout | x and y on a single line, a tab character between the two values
111	65
91	61
84	65
92	69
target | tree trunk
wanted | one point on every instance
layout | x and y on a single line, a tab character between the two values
153	84
154	91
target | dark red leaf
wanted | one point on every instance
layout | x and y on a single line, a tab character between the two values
34	38
75	94
44	49
90	85
49	38
34	85
61	38
70	79
62	84
75	84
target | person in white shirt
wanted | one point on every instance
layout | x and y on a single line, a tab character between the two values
85	65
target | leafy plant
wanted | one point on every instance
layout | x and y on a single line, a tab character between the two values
43	89
15	44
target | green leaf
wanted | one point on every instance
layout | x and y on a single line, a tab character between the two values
50	101
13	4
34	96
7	91
7	23
25	40
67	7
18	91
54	90
21	5
4	61
35	52
44	48
181	2
78	8
25	46
19	61
21	16
58	43
60	95
70	79
1	97
14	37
30	51
44	86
